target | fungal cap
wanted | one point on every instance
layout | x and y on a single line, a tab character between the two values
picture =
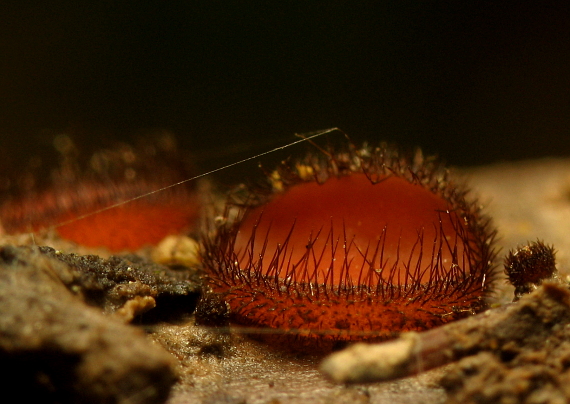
83	202
370	244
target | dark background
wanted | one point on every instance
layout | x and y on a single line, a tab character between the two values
472	81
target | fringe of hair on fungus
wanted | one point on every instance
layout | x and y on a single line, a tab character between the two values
112	199
347	245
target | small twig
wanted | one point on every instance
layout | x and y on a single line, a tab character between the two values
525	323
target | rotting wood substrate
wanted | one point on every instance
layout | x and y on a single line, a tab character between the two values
519	353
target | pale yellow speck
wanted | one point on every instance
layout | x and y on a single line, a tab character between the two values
177	250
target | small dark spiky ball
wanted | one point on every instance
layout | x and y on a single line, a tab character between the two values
528	266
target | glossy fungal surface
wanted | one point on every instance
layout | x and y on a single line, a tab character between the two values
74	204
358	244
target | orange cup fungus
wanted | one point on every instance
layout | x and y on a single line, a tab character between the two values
74	203
360	244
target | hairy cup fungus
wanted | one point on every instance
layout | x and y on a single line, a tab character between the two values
358	244
84	200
